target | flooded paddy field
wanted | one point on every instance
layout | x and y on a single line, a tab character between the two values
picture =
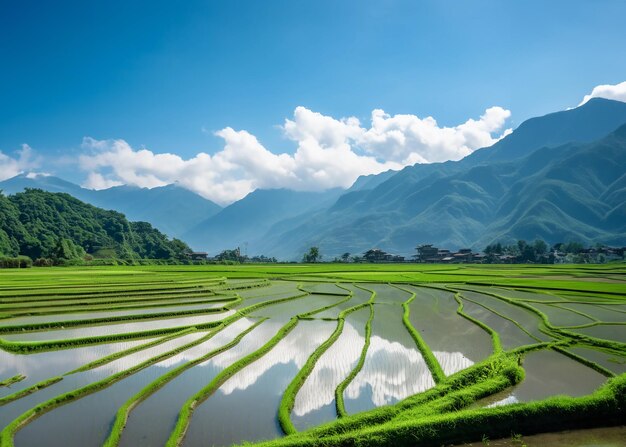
300	355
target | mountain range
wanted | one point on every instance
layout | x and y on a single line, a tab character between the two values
558	177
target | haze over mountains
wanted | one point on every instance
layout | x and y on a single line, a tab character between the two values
559	177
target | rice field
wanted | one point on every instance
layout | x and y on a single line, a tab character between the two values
309	355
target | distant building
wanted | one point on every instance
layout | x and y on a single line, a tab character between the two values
427	253
431	254
198	255
378	255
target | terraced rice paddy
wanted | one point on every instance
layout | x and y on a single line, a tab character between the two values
308	355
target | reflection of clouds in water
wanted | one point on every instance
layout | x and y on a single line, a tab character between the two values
55	362
223	337
392	383
131	360
329	371
296	347
452	362
506	401
117	328
392	371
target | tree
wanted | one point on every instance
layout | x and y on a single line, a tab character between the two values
230	256
541	247
313	255
345	257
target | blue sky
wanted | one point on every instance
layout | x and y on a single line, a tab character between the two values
167	75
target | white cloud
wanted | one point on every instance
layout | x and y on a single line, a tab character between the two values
329	153
408	139
96	180
608	91
12	166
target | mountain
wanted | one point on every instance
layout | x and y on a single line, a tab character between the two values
245	222
558	177
548	179
594	119
172	209
40	224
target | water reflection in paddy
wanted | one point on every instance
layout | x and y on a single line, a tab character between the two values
610	361
322	288
117	328
315	402
284	311
152	420
388	294
43	365
456	342
277	295
130	304
393	369
524	317
561	316
71	382
549	373
359	296
616	332
511	336
105	314
87	421
245	406
598	312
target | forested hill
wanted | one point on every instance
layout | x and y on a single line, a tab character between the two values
41	224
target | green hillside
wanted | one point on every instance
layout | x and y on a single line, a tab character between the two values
172	209
41	224
574	192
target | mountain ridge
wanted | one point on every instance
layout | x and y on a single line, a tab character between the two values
556	176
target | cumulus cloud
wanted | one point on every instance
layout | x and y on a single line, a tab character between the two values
608	91
408	139
12	166
329	153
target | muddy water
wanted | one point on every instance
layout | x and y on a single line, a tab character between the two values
152	420
593	437
456	342
393	369
315	402
549	373
117	328
245	406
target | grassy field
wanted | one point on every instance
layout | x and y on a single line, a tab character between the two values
131	335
